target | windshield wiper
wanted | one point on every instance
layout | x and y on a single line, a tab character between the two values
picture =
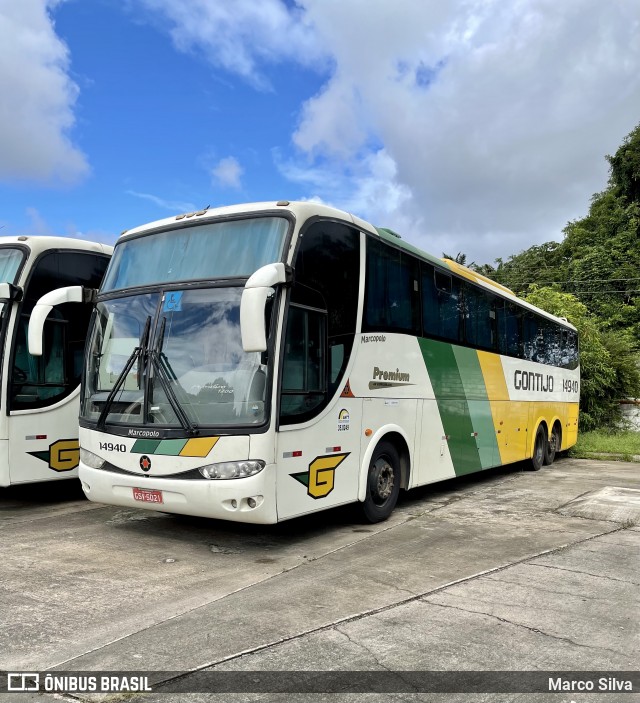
166	376
134	356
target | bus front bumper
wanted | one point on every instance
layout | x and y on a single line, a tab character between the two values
251	499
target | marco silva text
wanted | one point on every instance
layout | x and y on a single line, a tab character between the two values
604	684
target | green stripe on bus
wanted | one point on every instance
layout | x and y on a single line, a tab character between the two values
479	406
171	447
452	403
145	446
164	447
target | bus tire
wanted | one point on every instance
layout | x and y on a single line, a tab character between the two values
539	448
383	483
552	446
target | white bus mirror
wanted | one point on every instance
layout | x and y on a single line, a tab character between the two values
70	294
10	293
252	305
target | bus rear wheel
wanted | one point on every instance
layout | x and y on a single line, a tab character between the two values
383	483
539	449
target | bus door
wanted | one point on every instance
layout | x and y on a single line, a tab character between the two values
317	452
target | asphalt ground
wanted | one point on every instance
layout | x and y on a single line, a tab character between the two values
507	570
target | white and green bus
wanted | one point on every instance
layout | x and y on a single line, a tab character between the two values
265	361
39	395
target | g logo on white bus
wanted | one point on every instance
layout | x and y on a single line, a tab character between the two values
63	455
320	477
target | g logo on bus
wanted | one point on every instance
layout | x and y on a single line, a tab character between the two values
63	455
145	463
320	478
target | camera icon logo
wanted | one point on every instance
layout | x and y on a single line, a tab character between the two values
23	682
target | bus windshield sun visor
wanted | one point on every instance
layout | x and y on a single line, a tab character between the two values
136	354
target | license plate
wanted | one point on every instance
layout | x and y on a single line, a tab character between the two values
147	495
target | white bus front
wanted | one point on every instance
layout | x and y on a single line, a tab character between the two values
173	409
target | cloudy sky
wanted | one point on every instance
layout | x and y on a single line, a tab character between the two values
477	126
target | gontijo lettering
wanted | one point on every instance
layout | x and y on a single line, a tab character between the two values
530	381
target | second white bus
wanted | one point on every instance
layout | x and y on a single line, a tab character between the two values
39	394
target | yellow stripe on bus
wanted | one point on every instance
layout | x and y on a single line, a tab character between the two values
509	418
199	447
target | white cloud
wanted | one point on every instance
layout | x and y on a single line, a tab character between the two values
227	172
36	112
472	125
173	205
243	36
496	115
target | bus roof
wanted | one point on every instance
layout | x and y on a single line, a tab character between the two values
40	244
301	210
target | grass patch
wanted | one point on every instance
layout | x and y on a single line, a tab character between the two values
622	442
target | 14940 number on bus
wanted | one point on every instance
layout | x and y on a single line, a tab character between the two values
111	447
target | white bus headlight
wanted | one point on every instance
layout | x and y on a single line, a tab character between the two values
91	459
232	469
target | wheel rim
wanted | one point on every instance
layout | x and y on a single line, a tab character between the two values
553	443
382	481
540	449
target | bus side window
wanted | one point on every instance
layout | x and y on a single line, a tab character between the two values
303	370
325	294
38	379
392	303
533	338
480	318
442	314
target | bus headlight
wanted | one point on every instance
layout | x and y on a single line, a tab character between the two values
232	469
91	459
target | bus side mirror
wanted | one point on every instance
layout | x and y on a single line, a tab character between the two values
10	293
254	297
70	294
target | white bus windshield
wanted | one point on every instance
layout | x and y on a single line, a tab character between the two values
216	250
191	371
10	260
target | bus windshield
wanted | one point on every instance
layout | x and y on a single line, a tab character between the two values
189	371
233	248
10	261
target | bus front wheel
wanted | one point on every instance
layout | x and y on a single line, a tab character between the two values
383	483
539	449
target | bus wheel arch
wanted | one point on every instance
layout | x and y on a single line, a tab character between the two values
554	442
400	443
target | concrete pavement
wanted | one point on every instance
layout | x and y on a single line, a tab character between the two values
496	571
